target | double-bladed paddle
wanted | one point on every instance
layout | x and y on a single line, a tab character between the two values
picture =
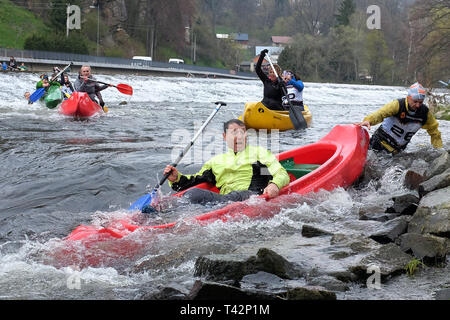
295	113
124	88
149	202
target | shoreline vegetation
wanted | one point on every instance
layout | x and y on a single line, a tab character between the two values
336	46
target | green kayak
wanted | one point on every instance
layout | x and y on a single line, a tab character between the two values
53	97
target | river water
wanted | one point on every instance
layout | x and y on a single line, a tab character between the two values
57	173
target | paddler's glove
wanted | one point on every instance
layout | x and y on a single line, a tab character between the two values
264	52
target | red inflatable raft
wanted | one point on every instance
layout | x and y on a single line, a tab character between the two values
79	105
337	160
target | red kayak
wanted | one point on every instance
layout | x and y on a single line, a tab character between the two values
79	105
337	160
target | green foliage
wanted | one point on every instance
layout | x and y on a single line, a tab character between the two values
17	24
58	42
412	266
346	10
379	61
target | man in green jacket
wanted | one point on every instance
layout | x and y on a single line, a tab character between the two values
46	83
240	173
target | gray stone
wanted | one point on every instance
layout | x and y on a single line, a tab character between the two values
234	267
433	214
439	181
406	204
329	283
218	291
425	246
439	165
389	258
391	230
416	175
166	294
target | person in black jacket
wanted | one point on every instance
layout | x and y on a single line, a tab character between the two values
13	64
273	90
86	83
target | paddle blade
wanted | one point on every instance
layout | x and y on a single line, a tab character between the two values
148	203
125	89
37	95
296	116
141	202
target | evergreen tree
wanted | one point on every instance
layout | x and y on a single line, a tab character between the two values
346	9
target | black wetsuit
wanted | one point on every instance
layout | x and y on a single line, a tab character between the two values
273	92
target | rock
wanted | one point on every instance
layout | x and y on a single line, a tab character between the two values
329	283
391	230
389	258
310	293
217	291
234	267
263	280
166	294
223	267
416	174
353	244
271	262
425	246
439	165
439	181
311	232
405	204
433	214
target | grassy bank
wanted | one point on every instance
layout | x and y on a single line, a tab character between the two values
16	24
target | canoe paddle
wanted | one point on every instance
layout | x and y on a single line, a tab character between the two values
41	91
295	113
124	88
149	202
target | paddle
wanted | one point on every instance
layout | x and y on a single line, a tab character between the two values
124	88
295	114
149	202
41	91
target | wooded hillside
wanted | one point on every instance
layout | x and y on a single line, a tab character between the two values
331	40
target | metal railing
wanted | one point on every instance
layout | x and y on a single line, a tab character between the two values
20	55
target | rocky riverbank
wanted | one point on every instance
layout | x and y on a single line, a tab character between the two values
409	233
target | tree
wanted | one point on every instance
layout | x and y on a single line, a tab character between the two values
306	57
430	25
379	60
346	9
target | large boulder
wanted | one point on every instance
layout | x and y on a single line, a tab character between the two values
391	230
389	258
205	290
425	246
405	204
416	174
439	181
439	165
433	214
234	267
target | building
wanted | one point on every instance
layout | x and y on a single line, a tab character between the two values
281	41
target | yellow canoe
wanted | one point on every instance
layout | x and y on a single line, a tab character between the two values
257	116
